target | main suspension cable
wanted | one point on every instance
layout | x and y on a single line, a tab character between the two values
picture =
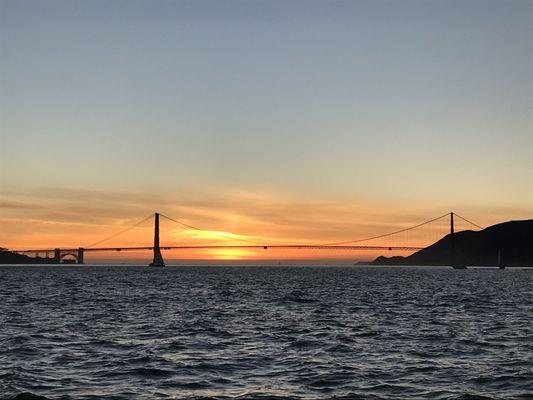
470	222
388	234
205	230
121	232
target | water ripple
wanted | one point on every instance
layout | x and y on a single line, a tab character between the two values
264	333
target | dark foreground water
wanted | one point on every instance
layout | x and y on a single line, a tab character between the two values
262	333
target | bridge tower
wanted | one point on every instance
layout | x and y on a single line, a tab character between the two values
452	240
57	255
80	256
158	258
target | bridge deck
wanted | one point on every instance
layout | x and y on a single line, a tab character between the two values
264	247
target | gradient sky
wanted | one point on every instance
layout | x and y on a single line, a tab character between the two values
294	120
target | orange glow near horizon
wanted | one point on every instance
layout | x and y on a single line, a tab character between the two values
240	255
262	219
231	254
213	236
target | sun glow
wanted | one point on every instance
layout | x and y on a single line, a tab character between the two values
231	254
214	237
210	236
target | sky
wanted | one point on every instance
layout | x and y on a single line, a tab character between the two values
289	121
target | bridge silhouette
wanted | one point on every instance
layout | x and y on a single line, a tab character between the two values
78	253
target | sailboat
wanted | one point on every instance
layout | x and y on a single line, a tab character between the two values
499	263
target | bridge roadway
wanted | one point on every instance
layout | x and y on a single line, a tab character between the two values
199	247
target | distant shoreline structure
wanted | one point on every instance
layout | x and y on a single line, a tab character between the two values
9	257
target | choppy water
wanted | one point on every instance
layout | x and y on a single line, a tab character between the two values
261	333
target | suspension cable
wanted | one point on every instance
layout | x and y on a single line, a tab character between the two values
470	222
204	230
120	233
229	236
388	234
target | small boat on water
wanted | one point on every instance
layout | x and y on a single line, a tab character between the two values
499	261
459	267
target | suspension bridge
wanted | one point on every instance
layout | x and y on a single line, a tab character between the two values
403	241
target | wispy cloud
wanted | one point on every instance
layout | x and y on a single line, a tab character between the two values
17	205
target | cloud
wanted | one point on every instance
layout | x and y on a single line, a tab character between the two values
16	205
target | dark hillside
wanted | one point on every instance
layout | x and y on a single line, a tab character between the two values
514	239
8	257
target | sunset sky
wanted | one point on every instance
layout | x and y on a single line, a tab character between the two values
280	121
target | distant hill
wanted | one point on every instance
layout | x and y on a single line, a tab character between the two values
8	257
477	248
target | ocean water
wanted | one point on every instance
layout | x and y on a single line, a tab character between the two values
86	332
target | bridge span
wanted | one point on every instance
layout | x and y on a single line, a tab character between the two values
78	253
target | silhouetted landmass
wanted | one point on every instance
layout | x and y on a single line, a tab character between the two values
514	240
8	257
